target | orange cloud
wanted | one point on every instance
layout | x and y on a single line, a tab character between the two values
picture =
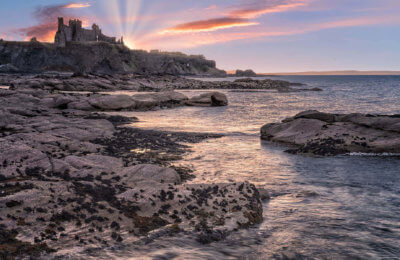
43	32
208	25
76	5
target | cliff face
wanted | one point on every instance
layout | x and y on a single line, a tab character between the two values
102	58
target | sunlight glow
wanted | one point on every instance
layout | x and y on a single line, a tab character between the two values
124	13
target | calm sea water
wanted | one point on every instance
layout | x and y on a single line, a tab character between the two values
345	207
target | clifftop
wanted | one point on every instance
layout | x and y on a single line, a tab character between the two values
100	58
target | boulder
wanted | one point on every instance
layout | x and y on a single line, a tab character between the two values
208	99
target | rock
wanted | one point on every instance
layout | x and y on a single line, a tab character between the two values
150	172
209	99
318	133
245	80
152	100
264	194
61	102
8	68
112	102
313	114
92	165
243	210
81	105
245	73
218	99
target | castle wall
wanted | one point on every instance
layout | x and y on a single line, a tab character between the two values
68	33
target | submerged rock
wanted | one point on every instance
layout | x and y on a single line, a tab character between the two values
313	132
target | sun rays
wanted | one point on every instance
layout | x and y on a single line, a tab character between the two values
122	16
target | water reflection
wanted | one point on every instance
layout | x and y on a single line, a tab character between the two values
334	208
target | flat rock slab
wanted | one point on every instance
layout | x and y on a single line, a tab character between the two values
313	132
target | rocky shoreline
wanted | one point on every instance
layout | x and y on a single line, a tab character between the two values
72	177
324	134
149	83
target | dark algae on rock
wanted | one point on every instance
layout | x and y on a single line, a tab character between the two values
74	180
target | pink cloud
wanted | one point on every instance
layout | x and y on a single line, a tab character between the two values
209	25
173	42
75	5
264	7
238	16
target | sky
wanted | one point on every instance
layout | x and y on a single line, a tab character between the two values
264	35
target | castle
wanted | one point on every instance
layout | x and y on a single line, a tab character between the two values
75	33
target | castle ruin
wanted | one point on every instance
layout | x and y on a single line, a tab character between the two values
75	33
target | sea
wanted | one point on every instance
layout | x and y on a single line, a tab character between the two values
342	207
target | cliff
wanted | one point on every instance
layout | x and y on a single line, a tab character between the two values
100	58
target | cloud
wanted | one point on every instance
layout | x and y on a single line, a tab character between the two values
172	42
211	7
4	36
43	32
47	18
239	16
69	6
255	9
208	25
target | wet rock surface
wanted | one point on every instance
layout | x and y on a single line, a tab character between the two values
318	133
74	178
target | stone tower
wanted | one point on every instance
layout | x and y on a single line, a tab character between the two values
60	39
